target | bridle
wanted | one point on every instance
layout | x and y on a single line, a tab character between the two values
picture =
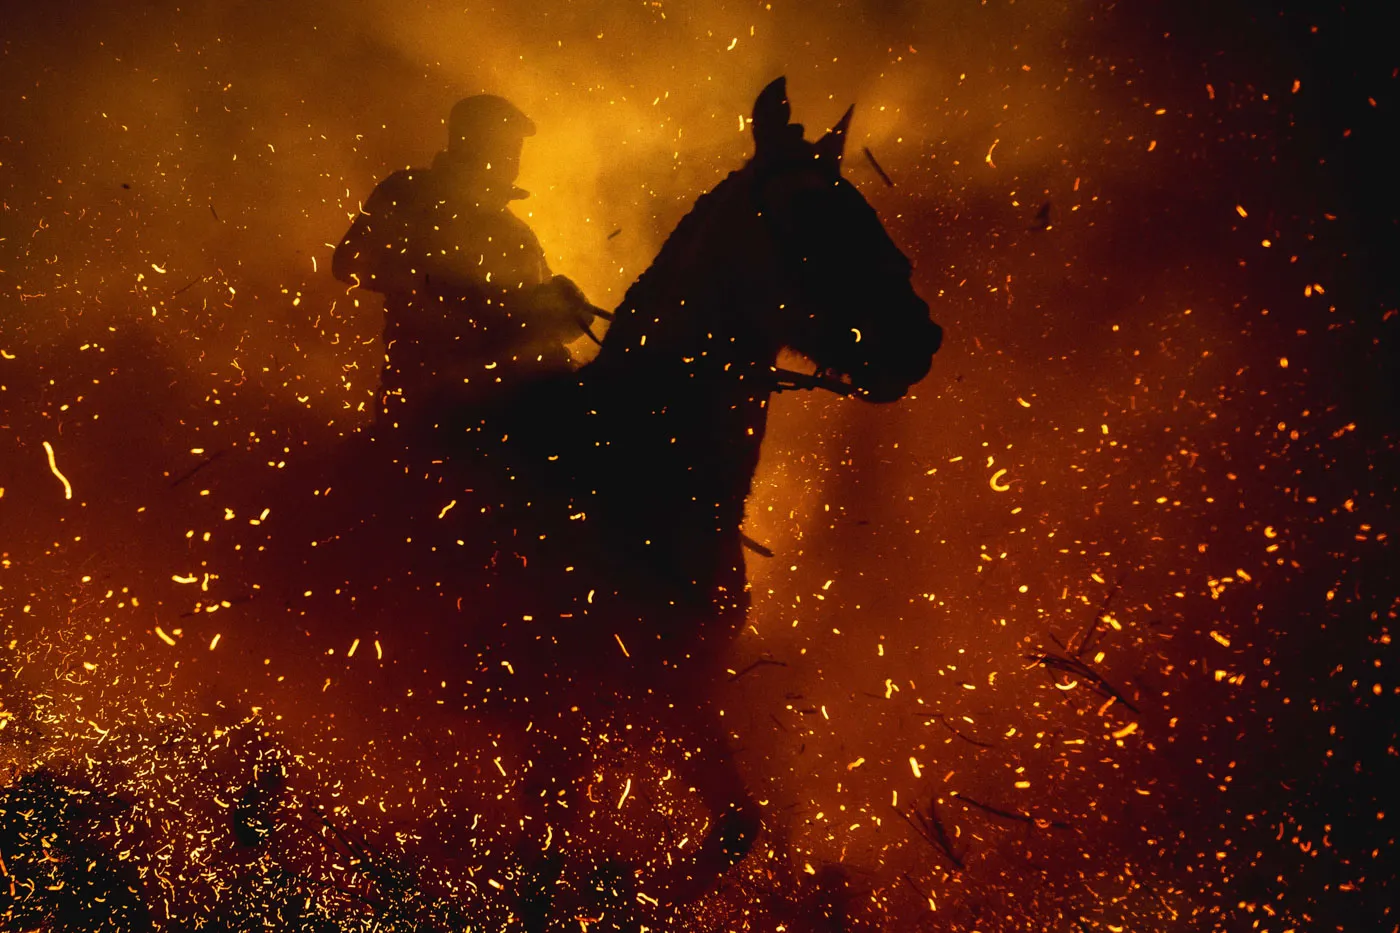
788	380
781	380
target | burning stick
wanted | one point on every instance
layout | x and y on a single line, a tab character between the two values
392	884
357	855
196	468
951	728
918	890
1006	814
1076	666
1093	628
870	157
933	832
188	285
754	546
759	663
935	828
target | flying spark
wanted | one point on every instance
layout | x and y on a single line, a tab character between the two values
53	465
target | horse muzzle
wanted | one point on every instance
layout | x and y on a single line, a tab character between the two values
907	360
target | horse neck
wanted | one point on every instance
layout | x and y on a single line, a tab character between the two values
692	416
691	372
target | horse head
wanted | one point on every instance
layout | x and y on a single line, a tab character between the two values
848	303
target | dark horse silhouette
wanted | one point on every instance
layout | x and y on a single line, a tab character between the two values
566	558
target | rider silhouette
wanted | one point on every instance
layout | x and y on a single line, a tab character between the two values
470	303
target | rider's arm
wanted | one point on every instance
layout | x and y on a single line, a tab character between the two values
371	255
559	306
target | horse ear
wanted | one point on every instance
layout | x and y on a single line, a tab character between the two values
831	146
770	115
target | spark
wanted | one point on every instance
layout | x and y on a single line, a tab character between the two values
53	465
625	791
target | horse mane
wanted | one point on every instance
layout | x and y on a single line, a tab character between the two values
650	286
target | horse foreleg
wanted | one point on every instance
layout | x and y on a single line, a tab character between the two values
735	817
559	764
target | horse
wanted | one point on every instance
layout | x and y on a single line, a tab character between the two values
563	560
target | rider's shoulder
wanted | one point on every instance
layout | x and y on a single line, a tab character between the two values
519	228
404	185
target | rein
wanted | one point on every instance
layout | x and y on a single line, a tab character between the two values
787	380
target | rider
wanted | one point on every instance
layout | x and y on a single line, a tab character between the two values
469	301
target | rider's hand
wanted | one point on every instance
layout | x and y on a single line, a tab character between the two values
559	306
